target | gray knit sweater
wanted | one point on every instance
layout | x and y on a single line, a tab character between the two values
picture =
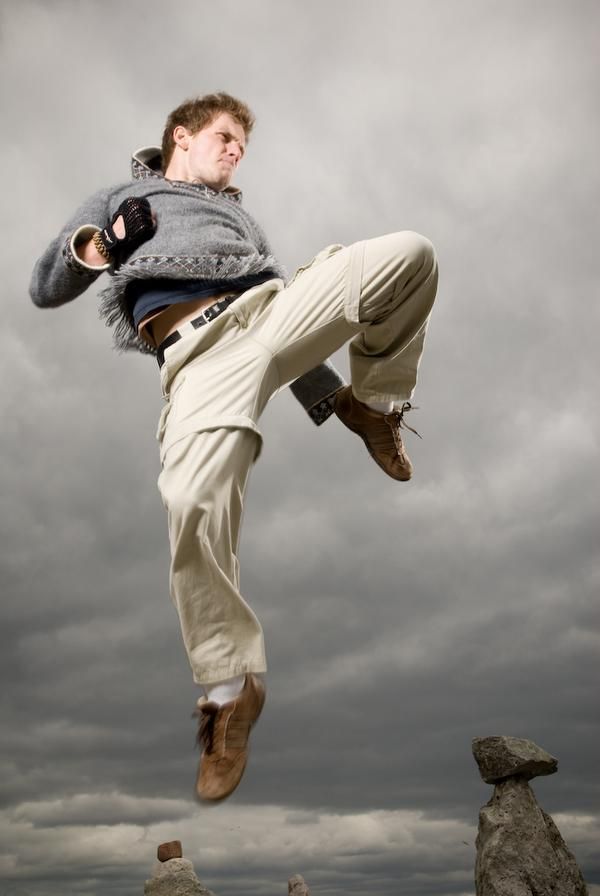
200	234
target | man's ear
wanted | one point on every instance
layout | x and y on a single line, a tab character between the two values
181	137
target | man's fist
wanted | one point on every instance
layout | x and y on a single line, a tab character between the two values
132	224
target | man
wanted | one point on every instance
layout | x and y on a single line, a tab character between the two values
194	280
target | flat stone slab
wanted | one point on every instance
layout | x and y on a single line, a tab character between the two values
500	757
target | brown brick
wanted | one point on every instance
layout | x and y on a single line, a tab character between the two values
171	850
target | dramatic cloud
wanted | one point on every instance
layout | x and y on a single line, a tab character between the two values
401	619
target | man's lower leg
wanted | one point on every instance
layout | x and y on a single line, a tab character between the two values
223	738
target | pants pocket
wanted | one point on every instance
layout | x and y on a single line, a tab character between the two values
325	253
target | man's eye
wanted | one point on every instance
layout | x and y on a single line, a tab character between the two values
228	137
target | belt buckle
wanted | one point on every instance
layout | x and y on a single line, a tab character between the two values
211	312
204	317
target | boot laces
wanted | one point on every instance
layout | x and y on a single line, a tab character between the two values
395	420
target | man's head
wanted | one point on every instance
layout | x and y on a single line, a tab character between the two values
204	139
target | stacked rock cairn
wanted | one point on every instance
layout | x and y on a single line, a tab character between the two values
520	851
175	876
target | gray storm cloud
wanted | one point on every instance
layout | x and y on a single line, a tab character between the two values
401	620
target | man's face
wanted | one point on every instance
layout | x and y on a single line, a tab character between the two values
215	152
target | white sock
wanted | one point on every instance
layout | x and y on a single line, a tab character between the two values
382	407
224	691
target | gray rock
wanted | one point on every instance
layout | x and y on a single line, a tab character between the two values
502	757
297	886
175	877
520	851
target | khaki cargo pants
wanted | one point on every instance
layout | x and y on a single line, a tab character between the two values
218	379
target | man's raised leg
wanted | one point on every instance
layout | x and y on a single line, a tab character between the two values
377	293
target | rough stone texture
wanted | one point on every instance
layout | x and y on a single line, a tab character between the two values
297	886
175	877
170	850
520	851
502	757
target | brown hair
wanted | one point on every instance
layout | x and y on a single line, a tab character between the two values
197	113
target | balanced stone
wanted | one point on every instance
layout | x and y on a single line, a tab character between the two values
505	757
170	850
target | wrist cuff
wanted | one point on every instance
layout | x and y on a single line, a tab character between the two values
322	410
72	259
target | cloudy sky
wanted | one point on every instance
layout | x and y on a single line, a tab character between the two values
401	619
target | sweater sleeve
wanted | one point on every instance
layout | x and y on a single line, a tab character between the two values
59	275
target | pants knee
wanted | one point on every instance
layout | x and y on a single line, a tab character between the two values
186	507
406	264
414	250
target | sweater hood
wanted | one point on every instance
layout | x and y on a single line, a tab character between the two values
147	162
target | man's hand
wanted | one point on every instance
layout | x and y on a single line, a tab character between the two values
132	224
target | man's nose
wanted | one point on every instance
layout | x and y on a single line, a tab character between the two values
235	152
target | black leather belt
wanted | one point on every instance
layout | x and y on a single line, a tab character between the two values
204	317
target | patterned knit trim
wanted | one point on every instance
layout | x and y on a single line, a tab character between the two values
205	191
72	262
140	171
323	410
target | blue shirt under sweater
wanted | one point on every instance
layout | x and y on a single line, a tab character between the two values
146	296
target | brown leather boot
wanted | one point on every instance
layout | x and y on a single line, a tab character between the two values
223	736
379	432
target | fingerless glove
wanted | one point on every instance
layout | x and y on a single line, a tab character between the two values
139	227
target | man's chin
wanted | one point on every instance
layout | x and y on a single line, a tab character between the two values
222	180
